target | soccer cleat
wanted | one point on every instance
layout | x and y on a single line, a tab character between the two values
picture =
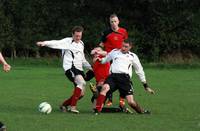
128	111
63	108
146	112
125	109
109	103
75	111
93	88
96	112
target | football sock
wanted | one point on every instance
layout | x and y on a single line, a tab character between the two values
67	102
100	100
76	96
122	102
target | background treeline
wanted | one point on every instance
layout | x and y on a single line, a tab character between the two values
163	30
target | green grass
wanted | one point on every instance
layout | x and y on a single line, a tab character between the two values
175	107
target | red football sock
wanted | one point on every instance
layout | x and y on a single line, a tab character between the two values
100	100
121	102
67	102
75	97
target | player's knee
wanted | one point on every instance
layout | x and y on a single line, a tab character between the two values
83	83
80	82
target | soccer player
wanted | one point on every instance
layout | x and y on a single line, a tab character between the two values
6	66
73	63
122	62
113	39
101	72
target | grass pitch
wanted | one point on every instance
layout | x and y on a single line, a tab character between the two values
174	107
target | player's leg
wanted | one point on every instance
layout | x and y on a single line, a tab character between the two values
121	101
78	92
109	84
109	99
64	107
126	89
133	104
95	95
77	77
101	97
95	89
136	106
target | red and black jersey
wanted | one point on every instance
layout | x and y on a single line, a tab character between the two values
112	39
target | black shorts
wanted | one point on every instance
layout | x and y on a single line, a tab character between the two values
121	82
71	73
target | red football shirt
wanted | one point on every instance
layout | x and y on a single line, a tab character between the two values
112	39
101	71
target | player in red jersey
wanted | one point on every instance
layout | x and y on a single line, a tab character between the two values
113	39
101	72
114	36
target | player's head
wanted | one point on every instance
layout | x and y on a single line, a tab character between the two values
114	22
95	50
77	32
126	46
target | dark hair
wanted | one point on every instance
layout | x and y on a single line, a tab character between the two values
129	41
77	29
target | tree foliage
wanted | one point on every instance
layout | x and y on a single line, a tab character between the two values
160	28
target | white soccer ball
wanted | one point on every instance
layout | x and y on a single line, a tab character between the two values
45	108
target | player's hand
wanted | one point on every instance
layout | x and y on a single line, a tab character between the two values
150	90
99	59
101	44
6	67
94	52
40	43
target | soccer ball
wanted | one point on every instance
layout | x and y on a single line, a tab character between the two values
45	108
